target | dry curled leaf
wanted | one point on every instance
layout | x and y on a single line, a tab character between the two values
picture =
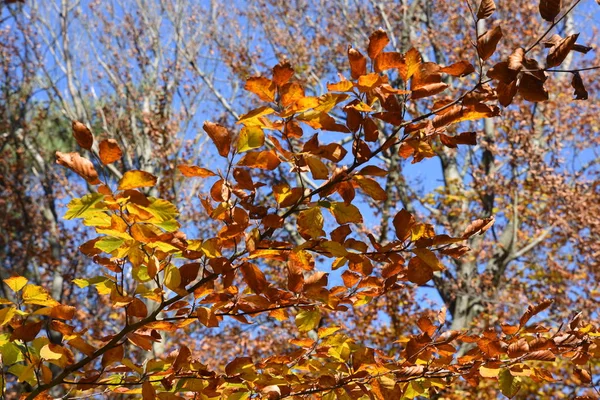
81	166
549	9
486	9
82	135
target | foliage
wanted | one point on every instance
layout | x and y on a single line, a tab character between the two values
160	282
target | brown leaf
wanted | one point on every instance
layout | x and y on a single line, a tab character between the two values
558	53
518	348
515	60
81	166
263	87
461	68
82	135
479	226
534	310
137	308
486	44
486	9
358	63
468	138
419	272
254	277
532	89
577	84
109	151
282	73
506	92
377	42
403	223
27	332
220	137
112	356
549	9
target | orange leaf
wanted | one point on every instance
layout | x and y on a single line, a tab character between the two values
282	73
254	277
220	137
263	87
377	42
194	171
358	63
461	68
403	223
385	61
260	159
109	151
413	62
290	93
81	166
82	135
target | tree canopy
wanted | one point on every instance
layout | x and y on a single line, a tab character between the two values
402	202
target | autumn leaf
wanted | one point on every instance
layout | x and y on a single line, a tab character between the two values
560	51
82	135
418	271
191	171
136	179
358	63
403	223
282	73
260	159
577	84
250	138
307	320
263	87
254	277
377	42
220	137
310	223
345	213
549	9
370	187
109	151
16	283
81	166
486	9
461	68
486	43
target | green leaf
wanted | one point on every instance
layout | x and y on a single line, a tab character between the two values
307	320
79	208
509	385
108	244
251	137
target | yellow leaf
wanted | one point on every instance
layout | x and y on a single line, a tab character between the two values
6	315
489	372
250	138
48	352
310	223
172	277
307	320
16	283
33	294
345	213
136	179
210	248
